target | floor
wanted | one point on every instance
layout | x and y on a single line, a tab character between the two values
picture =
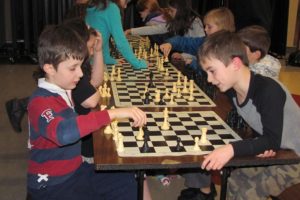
16	81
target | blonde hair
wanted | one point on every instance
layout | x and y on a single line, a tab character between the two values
222	17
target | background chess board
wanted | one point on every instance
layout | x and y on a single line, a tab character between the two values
131	94
186	125
129	74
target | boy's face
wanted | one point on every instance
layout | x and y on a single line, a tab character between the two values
67	74
210	27
218	74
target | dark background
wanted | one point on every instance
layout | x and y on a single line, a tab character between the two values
23	20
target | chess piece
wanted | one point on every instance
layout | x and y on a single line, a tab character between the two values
167	96
147	98
151	84
119	75
140	135
203	139
108	92
191	97
157	96
178	146
178	93
178	79
145	147
120	146
196	146
165	125
108	130
185	90
161	101
174	87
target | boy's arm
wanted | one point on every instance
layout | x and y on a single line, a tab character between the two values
149	30
98	63
271	108
188	45
60	124
121	41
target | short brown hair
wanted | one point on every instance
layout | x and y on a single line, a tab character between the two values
224	46
256	38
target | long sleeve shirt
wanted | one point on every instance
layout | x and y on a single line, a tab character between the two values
108	23
272	112
54	133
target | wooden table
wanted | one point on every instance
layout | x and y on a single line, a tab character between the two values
106	157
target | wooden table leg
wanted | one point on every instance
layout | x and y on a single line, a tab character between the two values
225	173
140	181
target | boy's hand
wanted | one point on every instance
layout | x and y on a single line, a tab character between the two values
127	32
166	48
218	158
267	154
139	117
177	56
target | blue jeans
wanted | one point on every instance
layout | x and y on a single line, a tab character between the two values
90	185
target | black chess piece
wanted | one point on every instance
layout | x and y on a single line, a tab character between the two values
147	98
145	147
178	146
151	84
161	101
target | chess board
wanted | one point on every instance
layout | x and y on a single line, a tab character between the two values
129	74
132	94
185	125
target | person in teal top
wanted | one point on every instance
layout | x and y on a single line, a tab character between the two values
104	16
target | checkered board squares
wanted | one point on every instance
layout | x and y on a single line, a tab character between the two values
129	74
185	125
132	94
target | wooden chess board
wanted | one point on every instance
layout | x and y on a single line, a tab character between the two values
132	94
185	125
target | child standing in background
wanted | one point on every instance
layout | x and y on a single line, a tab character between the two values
257	41
104	16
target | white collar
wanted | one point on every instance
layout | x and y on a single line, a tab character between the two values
65	94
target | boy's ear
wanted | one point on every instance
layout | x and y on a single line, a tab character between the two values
257	54
49	69
237	63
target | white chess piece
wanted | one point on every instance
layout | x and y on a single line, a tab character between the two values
140	135
196	146
157	96
120	147
108	92
165	125
167	96
108	130
178	79
191	97
119	78
174	87
203	139
185	90
178	93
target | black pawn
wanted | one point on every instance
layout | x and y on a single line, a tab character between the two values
147	98
151	84
178	146
145	147
161	101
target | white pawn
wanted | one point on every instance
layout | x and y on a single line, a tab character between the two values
157	96
196	146
178	79
105	77
140	135
165	125
174	87
120	147
203	135
191	97
167	96
119	75
185	90
167	73
108	130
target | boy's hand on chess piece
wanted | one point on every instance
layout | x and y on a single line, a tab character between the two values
267	154
139	117
218	158
177	56
165	48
